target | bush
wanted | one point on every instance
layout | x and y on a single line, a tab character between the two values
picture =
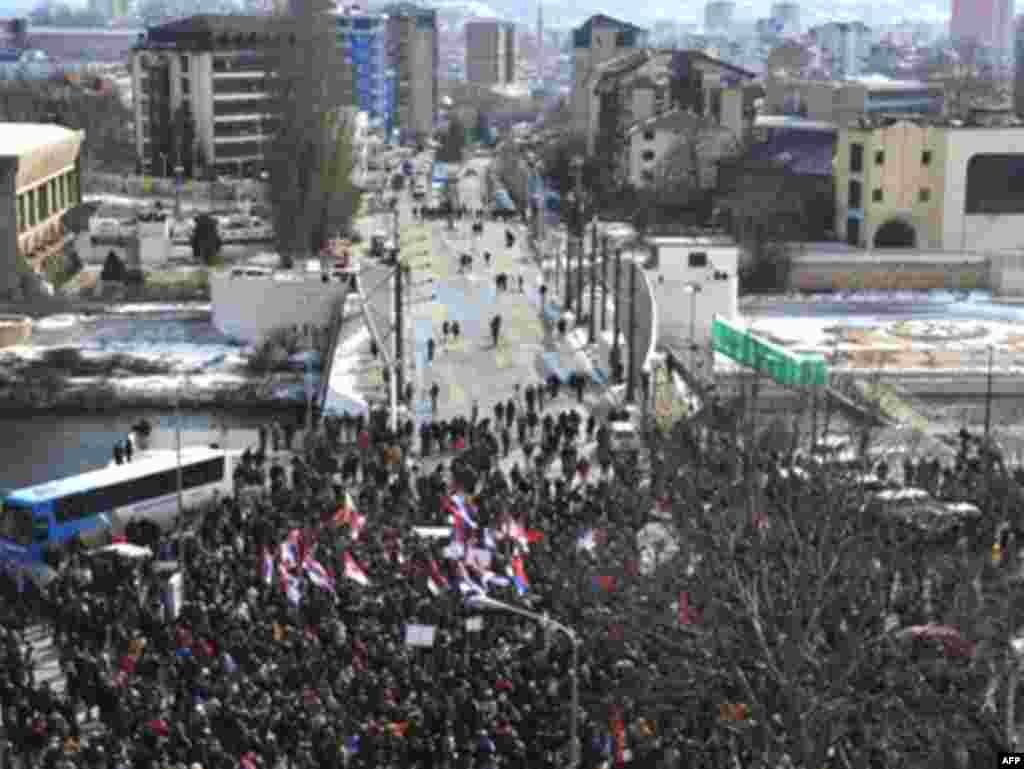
113	268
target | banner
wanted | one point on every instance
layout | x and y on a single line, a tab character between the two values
420	635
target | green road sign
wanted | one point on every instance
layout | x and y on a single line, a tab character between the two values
780	364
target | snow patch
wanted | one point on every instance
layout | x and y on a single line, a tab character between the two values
152	308
57	322
343	394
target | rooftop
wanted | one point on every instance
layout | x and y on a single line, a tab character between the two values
207	29
20	139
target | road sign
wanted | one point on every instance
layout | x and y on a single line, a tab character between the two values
780	364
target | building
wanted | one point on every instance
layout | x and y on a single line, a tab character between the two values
363	40
847	102
787	18
599	40
718	17
200	97
988	23
649	141
76	47
914	184
490	52
413	40
845	47
637	86
1018	78
40	180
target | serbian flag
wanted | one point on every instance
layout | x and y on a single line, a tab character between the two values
248	761
519	574
513	529
268	566
466	583
356	524
317	573
591	539
618	730
605	582
436	581
291	549
457	505
353	570
534	535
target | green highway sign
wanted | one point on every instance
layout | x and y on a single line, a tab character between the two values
783	366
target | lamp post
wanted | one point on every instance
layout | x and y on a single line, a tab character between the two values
484	603
577	230
616	347
163	156
591	330
693	289
604	284
631	375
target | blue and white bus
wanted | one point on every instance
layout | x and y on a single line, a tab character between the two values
137	498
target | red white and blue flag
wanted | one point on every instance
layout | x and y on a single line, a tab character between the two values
268	566
518	574
513	528
353	570
318	574
436	581
293	588
460	509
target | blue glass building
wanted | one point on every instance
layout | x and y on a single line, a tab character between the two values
363	40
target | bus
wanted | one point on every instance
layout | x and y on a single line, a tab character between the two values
137	499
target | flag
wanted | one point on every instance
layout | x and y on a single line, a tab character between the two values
318	574
519	574
268	566
588	541
605	582
457	505
466	584
356	524
293	589
617	726
534	535
512	528
436	581
291	548
343	515
687	615
354	571
489	540
761	522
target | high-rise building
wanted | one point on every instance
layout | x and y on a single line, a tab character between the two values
363	40
1018	80
787	18
541	60
200	97
986	22
718	17
845	45
413	40
490	52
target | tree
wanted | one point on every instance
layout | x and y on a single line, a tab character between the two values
689	167
309	84
206	241
780	631
341	196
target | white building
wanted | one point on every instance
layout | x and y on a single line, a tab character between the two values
845	47
490	52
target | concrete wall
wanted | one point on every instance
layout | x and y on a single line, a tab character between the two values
987	233
248	308
10	282
677	304
853	275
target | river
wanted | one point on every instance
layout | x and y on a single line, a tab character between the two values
44	448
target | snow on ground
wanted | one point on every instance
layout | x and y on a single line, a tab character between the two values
811	334
869	296
58	322
143	308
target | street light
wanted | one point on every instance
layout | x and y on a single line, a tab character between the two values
485	603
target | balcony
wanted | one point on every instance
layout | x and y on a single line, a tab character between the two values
241	97
259	138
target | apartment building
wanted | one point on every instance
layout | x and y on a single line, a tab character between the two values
200	97
935	186
599	40
490	52
40	180
848	102
363	40
412	37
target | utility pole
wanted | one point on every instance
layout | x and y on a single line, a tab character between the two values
177	441
581	236
632	351
989	453
604	284
591	326
616	347
567	302
399	374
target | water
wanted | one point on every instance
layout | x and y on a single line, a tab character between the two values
44	448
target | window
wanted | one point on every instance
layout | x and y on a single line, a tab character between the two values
22	222
854	195
856	158
879	157
698	259
185	86
62	190
924	195
876	195
995	184
648	136
648	156
926	158
41	203
210	471
184	63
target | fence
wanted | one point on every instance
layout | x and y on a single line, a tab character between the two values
195	192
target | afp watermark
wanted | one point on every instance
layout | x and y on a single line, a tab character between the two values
1011	759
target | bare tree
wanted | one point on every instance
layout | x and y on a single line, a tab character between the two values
310	82
690	166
